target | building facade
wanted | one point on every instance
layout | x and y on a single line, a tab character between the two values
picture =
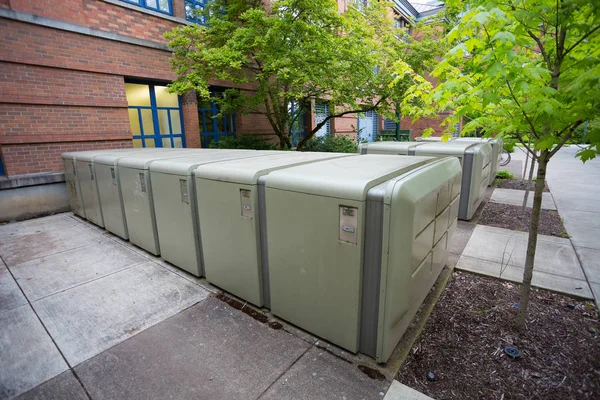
92	74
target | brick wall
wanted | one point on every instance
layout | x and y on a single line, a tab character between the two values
22	159
104	16
418	126
190	120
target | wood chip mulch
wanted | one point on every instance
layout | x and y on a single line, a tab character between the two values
510	217
463	345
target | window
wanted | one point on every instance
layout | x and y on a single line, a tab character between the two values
360	4
321	113
162	6
367	126
389	125
211	126
2	173
191	6
298	130
155	116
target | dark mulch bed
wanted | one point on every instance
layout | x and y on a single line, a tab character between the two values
463	345
516	184
509	217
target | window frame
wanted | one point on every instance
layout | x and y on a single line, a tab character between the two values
143	4
216	133
158	136
196	18
325	106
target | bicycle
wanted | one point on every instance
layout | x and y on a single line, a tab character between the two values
504	157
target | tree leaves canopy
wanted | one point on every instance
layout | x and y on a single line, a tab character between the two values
299	51
529	69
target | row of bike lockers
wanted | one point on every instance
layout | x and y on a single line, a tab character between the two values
345	246
475	159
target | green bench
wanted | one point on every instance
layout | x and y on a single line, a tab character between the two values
402	135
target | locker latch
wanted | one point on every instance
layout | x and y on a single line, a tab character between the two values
246	203
91	171
184	191
348	224
114	176
142	182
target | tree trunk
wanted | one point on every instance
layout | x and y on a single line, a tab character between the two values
531	168
532	241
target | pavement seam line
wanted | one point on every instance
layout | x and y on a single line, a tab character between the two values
284	372
90	281
51	338
536	270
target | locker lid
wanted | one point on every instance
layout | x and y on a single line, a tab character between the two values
92	155
112	158
491	140
345	178
185	165
388	147
72	155
453	148
144	161
248	170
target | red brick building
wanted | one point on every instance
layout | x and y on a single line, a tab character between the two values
91	74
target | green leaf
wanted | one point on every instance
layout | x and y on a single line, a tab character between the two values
482	17
494	69
586	154
546	142
503	37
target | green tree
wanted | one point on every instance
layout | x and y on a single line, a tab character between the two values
524	69
296	52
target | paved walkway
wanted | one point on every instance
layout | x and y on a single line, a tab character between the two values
569	266
515	198
576	190
85	315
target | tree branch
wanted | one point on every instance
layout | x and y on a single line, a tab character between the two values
567	51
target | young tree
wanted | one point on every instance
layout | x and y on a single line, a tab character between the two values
294	53
528	69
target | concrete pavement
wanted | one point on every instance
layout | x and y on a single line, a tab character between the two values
576	190
515	198
84	314
501	253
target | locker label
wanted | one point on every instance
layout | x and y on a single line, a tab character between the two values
91	171
246	203
348	224
184	191
114	176
142	182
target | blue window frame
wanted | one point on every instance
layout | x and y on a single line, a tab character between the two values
298	130
212	128
2	173
155	115
322	112
191	6
367	126
162	6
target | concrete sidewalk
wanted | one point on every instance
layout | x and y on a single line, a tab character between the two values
515	198
576	190
84	314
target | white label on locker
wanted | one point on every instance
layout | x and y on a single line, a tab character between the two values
91	171
114	176
184	191
142	182
246	202
348	224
